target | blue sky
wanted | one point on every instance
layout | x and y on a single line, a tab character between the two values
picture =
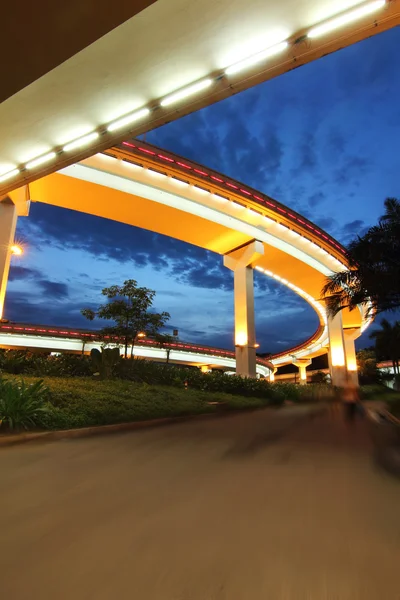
322	139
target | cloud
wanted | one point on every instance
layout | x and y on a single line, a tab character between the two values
53	289
17	273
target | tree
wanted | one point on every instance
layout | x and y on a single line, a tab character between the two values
165	340
319	377
366	364
129	307
374	268
387	343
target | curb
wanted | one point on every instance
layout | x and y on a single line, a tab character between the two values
61	434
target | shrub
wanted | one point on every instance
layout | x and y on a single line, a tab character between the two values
22	405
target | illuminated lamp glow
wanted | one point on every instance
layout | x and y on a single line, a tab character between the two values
9	175
256	58
337	355
40	160
16	250
128	119
219	197
156	173
351	365
349	17
241	339
188	91
303	373
200	189
179	181
82	141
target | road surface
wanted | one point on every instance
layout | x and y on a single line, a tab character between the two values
271	505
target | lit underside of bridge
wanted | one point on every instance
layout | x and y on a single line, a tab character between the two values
77	74
66	112
58	339
141	185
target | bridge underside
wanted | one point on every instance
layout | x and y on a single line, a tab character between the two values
79	69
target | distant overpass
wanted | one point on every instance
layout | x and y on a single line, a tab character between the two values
61	339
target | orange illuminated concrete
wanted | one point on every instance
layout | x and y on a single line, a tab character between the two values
141	185
160	50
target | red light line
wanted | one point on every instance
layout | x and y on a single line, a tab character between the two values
233	186
147	151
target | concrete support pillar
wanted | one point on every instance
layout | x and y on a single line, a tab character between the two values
240	262
337	353
272	375
8	223
350	353
302	364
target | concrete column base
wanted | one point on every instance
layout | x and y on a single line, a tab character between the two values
246	361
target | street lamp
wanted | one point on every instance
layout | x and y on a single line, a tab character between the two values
16	250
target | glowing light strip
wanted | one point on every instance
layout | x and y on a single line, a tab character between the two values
186	92
349	17
40	160
315	344
9	174
256	58
256	197
128	119
82	141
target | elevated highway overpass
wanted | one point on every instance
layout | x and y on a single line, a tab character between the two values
80	77
141	185
20	336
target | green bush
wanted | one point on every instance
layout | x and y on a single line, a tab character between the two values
41	364
22	405
80	402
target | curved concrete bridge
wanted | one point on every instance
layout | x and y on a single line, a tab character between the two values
142	185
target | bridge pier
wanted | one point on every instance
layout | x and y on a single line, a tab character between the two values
342	353
10	209
302	364
240	262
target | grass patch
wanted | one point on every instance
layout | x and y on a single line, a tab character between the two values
83	402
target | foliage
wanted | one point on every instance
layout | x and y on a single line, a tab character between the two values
22	405
387	343
104	362
374	273
128	307
319	377
367	370
20	362
81	402
165	340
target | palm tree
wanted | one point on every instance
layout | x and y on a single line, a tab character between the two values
374	268
387	343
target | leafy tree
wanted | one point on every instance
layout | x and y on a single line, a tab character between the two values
129	307
319	377
374	268
387	343
366	363
165	340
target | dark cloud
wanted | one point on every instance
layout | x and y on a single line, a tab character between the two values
316	199
53	289
17	273
21	308
351	170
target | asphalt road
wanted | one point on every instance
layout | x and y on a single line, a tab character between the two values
259	506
